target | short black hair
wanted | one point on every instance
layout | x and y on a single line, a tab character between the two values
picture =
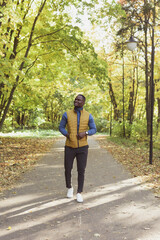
84	99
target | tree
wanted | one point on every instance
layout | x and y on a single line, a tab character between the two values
29	37
10	56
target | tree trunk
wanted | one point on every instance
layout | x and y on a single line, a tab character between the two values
113	100
7	106
23	119
158	119
137	78
131	98
133	94
18	118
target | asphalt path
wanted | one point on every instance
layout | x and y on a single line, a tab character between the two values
116	206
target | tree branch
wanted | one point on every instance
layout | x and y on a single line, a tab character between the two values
70	50
33	63
38	43
45	42
16	39
48	34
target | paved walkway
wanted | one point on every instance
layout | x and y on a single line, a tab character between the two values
116	206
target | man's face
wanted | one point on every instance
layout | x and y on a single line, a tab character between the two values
78	102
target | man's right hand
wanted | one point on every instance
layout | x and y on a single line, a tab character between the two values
67	135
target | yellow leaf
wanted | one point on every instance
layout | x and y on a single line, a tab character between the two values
9	228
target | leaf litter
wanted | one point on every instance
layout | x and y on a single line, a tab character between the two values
136	160
17	155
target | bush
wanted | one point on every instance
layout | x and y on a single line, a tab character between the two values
117	129
7	126
56	125
139	129
102	125
46	125
135	130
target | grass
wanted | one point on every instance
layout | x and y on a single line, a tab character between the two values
123	141
32	134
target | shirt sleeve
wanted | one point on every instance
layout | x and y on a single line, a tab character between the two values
92	126
62	124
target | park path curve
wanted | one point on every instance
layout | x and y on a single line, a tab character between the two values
116	205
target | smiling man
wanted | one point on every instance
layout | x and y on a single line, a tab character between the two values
79	125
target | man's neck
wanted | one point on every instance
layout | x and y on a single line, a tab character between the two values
78	109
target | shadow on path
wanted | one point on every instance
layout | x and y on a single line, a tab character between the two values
116	206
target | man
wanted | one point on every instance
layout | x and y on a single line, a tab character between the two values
77	121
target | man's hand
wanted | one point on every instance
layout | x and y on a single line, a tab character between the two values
81	135
67	135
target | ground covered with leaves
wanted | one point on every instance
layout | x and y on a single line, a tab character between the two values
135	158
18	155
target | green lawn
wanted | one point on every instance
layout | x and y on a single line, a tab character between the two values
32	133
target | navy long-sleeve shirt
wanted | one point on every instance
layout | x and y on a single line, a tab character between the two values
92	127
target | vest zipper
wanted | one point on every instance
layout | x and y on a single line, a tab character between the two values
77	138
78	128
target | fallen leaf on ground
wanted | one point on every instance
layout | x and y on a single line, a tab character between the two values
97	235
136	160
9	228
19	155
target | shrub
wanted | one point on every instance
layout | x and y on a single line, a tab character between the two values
7	126
117	129
46	125
102	125
138	129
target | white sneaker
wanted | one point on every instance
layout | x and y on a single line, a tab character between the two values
79	198
70	192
